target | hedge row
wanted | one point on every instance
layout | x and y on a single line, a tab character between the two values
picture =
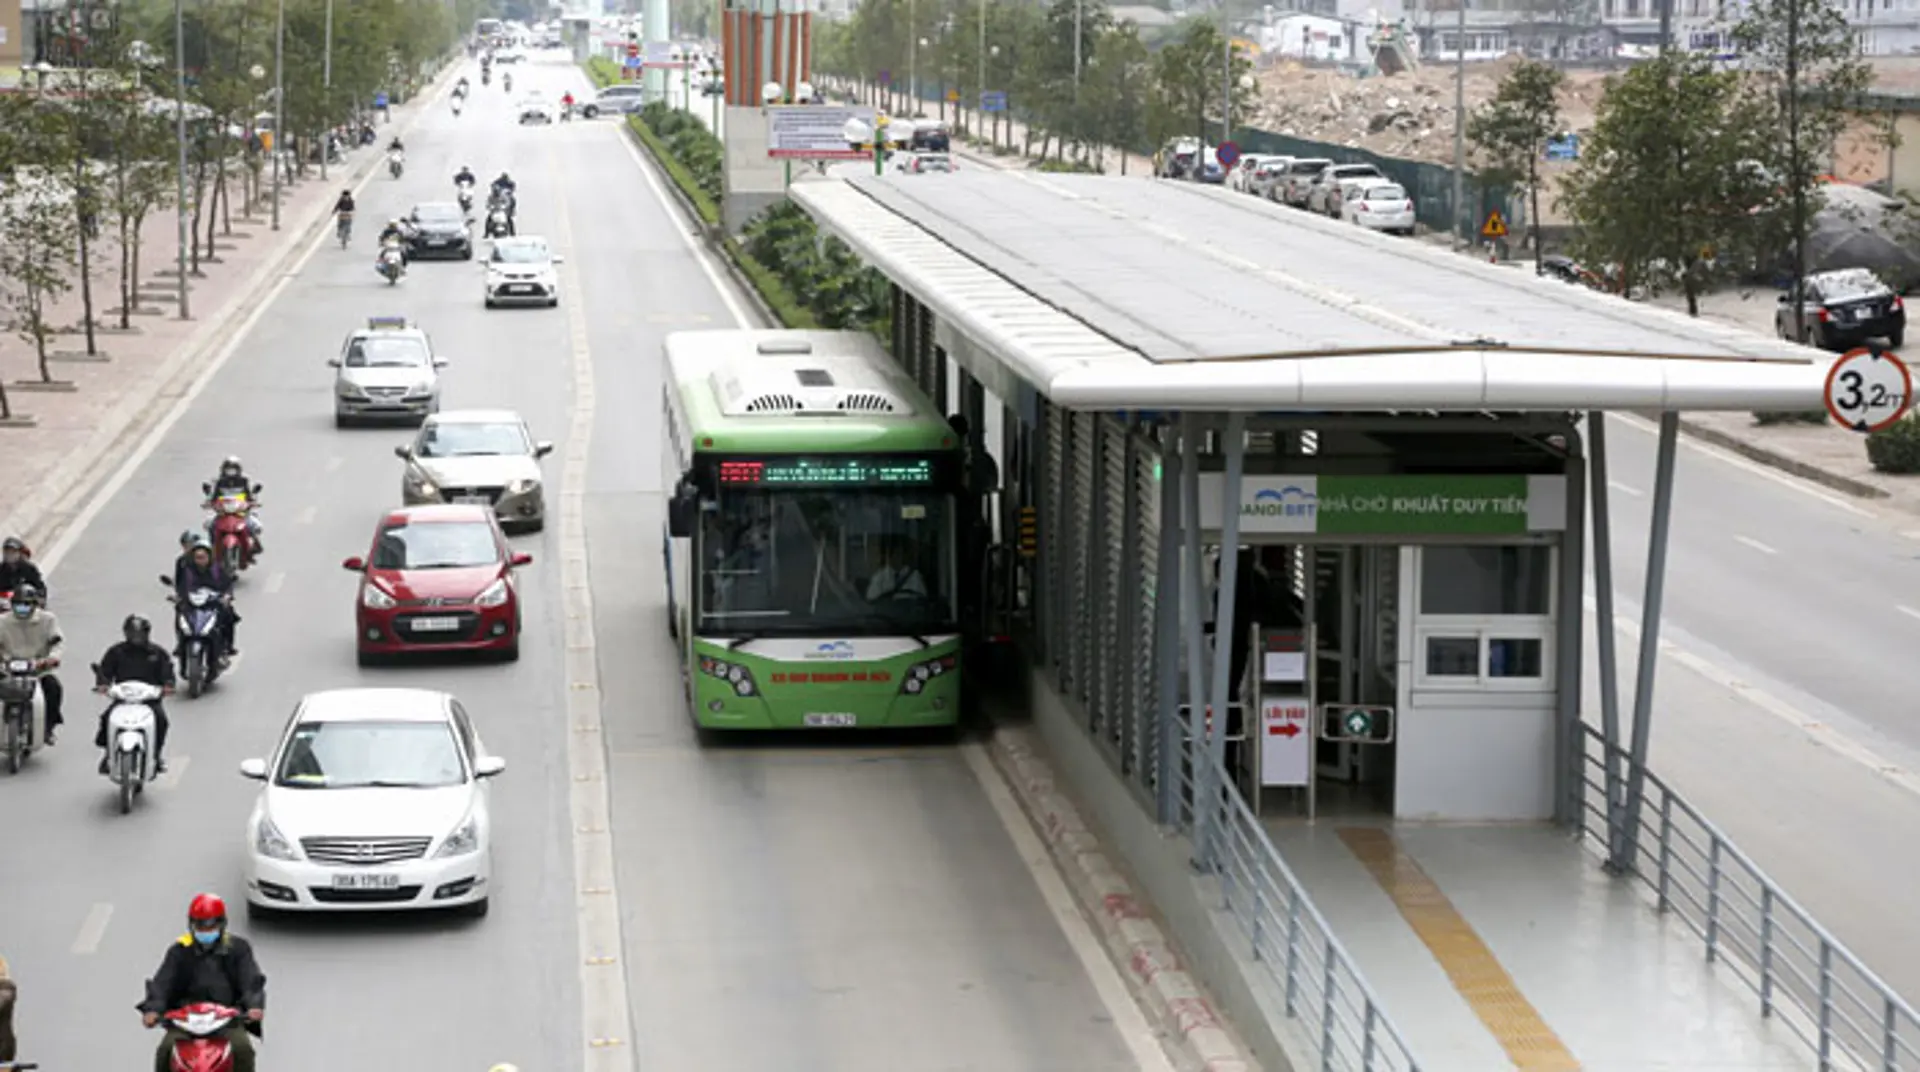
809	280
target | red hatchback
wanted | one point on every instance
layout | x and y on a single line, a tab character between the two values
439	578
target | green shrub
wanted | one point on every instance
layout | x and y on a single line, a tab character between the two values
820	271
1772	417
1896	448
602	71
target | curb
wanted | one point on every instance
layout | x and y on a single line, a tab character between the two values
1167	990
42	516
1775	459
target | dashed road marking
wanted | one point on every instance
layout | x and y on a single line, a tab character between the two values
1765	473
1755	544
306	516
92	930
1625	489
275	582
176	770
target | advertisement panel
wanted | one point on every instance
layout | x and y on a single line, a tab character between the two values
815	131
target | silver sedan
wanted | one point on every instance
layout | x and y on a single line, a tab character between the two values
487	457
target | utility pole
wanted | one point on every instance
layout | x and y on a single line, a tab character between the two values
1460	217
913	57
180	137
326	83
1226	89
980	91
279	106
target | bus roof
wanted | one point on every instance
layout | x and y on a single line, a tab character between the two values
799	392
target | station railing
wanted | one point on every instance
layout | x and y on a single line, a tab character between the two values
1336	1013
1803	977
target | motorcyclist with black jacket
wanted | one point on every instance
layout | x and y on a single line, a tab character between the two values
208	963
505	193
199	569
137	658
233	480
17	566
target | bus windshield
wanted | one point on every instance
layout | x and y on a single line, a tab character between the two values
839	562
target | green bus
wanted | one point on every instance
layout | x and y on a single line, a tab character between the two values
812	532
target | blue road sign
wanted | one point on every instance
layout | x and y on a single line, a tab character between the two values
1565	147
993	100
886	78
1228	153
379	100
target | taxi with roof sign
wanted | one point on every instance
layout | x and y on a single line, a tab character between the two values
387	371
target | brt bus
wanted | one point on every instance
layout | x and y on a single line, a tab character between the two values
811	548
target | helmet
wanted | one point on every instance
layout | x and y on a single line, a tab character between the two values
231	465
207	908
27	593
186	539
504	1068
200	543
15	543
136	625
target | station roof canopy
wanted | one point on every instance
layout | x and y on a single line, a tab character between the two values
1121	293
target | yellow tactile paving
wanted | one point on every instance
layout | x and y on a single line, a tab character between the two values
1478	976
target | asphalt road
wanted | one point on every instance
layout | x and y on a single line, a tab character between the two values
785	907
1787	607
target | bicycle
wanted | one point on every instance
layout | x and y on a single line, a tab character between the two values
343	227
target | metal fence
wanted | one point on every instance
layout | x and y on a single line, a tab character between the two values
1339	1017
1804	978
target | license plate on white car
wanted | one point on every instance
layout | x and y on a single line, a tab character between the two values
435	625
438	241
473	500
366	881
831	720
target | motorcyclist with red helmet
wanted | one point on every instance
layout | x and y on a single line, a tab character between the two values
207	963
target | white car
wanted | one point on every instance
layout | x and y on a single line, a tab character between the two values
1380	206
388	371
375	800
534	109
520	271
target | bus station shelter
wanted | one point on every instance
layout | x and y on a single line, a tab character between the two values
1405	445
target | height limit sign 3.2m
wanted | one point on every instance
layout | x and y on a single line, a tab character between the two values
1868	389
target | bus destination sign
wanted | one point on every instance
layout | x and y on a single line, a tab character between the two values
827	472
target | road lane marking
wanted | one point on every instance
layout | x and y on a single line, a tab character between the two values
1908	611
176	769
1624	489
306	516
1818	731
1755	544
335	462
92	930
1129	1020
274	582
1728	457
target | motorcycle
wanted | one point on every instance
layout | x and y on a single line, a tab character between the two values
396	163
566	112
486	77
392	263
232	528
198	645
22	710
506	82
466	200
131	733
456	107
343	227
499	225
205	1049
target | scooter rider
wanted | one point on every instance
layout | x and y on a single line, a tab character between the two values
31	632
17	567
566	103
137	658
208	963
464	177
394	146
233	480
505	192
202	570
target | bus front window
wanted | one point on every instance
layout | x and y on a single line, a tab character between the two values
828	562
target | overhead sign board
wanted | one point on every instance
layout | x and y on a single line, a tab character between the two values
1868	389
661	56
993	100
1426	505
815	131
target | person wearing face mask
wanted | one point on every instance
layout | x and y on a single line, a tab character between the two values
198	569
30	632
17	568
208	963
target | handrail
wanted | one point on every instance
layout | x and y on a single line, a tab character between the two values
1345	1027
1804	977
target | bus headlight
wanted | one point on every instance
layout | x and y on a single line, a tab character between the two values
919	674
735	675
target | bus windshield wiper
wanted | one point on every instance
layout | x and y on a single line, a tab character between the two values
734	643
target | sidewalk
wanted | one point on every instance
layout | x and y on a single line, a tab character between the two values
980	141
67	437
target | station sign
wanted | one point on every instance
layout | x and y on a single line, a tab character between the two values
816	131
1424	505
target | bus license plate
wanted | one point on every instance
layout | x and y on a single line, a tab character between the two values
360	881
435	625
837	719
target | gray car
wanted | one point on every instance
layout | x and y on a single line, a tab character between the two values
614	100
387	371
481	456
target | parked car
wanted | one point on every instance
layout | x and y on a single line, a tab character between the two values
1328	190
1844	308
1179	157
1241	178
1270	171
1291	188
1379	206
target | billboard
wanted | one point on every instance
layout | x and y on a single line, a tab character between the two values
815	131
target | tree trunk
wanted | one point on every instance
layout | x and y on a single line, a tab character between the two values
133	260
6	405
226	204
37	325
1533	213
199	201
213	206
126	277
86	287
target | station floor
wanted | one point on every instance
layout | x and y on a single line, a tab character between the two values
1496	947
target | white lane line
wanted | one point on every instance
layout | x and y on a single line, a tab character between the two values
1755	544
1908	611
158	434
1765	472
1128	1018
176	770
306	516
92	930
274	582
700	255
1819	732
1624	489
335	462
606	1015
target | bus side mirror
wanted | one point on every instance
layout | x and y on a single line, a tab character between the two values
680	511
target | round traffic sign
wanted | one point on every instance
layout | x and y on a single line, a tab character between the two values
1227	152
1868	390
1359	723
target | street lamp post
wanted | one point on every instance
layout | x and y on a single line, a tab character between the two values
1460	219
980	90
279	105
919	44
180	139
326	84
913	52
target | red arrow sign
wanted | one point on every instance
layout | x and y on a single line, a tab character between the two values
1283	730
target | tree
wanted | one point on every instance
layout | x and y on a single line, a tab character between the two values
1194	87
141	179
1674	135
1806	79
37	233
1119	83
1512	130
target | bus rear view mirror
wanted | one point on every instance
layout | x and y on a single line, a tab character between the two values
681	509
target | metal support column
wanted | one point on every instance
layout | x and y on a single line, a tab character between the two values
1223	627
1605	632
1167	604
1570	655
1193	586
1649	638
